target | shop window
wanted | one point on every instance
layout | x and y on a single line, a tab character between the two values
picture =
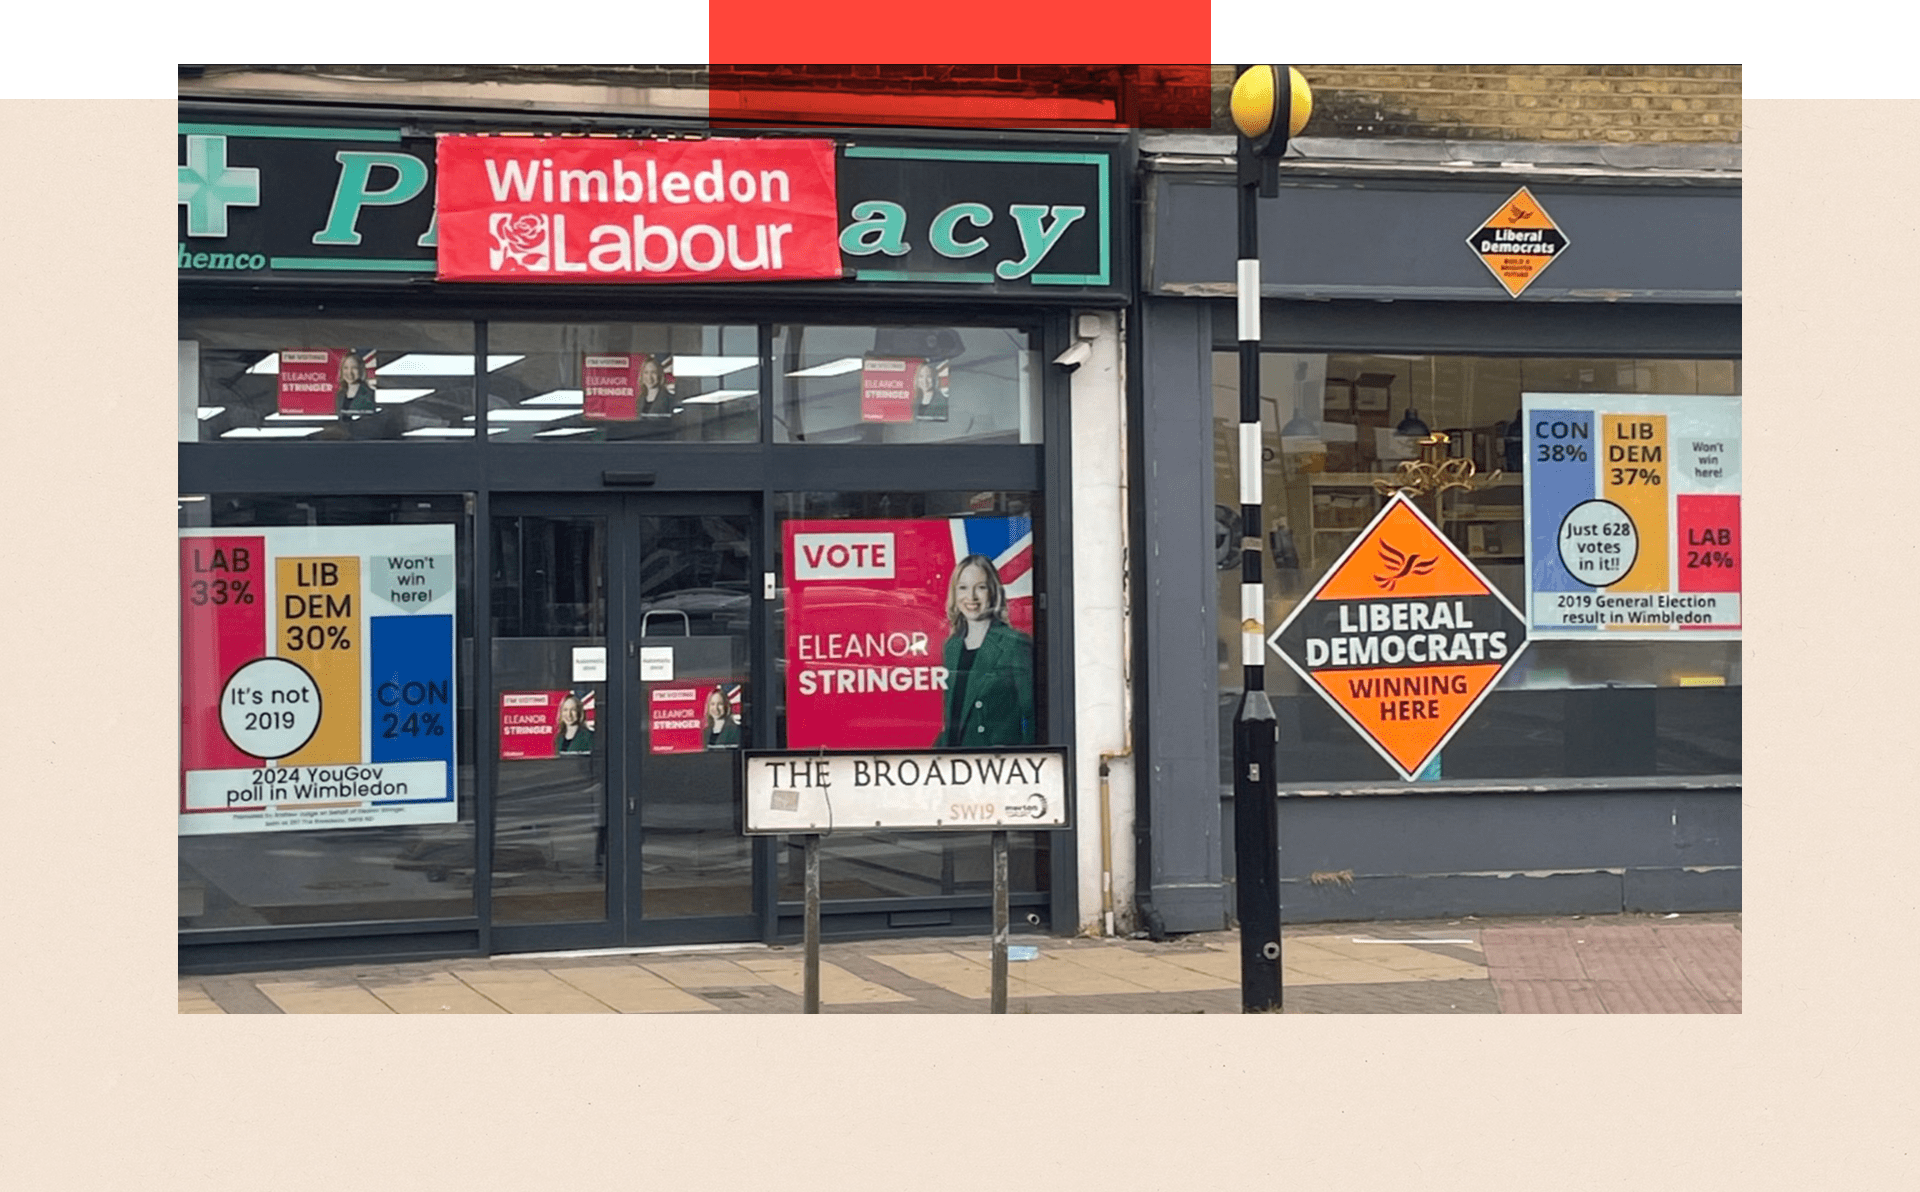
879	597
399	860
905	385
1663	703
625	382
315	380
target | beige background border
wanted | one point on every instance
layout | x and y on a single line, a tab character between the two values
106	1086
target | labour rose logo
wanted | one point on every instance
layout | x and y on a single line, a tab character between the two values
522	239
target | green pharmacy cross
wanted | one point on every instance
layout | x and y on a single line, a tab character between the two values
208	186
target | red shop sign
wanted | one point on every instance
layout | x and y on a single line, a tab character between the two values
601	209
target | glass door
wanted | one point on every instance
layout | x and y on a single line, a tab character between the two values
621	630
690	616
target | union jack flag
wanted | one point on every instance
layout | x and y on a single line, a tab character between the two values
1008	541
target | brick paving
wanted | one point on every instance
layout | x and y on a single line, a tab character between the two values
1624	964
1615	968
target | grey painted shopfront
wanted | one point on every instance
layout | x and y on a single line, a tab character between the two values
1606	777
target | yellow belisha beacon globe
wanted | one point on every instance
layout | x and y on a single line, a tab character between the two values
1254	100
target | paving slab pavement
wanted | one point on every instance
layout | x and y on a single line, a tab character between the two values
1616	964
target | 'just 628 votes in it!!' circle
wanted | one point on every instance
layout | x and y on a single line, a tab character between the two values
270	708
1598	543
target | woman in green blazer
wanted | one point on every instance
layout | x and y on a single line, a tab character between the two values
722	727
355	392
572	735
989	664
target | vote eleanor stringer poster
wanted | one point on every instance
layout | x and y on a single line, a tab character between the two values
316	677
680	716
534	724
867	624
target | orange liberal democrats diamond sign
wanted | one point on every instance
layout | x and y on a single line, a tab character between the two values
1403	636
1518	241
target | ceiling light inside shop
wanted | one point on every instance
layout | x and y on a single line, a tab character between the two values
207	412
710	366
413	364
556	397
301	417
270	432
718	396
560	432
450	432
516	414
832	368
393	397
429	364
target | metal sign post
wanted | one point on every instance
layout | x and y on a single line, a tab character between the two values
810	987
997	999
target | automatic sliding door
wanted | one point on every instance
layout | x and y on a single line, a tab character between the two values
691	609
552	772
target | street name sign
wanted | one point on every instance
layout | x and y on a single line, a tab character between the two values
796	792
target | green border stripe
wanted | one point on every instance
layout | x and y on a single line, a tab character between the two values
973	155
909	275
288	132
1106	230
351	264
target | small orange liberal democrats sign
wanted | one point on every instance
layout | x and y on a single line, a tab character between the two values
1518	241
1403	636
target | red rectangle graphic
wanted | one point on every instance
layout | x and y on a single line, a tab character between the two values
223	625
606	209
1709	544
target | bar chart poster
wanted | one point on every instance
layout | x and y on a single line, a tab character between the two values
1632	515
316	677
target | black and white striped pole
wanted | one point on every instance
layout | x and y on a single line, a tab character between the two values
1269	105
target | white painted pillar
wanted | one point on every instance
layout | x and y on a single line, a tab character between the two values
1101	629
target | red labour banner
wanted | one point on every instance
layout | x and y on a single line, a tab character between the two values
603	209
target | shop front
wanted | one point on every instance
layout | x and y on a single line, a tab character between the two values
1555	339
533	470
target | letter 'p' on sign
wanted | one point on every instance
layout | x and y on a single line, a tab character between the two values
843	556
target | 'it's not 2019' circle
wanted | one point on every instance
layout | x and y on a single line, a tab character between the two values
270	708
1598	543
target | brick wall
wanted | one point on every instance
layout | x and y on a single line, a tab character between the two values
1152	96
1142	95
1621	104
909	78
1645	104
611	76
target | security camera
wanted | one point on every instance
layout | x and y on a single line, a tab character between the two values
1075	356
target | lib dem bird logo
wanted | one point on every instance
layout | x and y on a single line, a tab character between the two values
1400	566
